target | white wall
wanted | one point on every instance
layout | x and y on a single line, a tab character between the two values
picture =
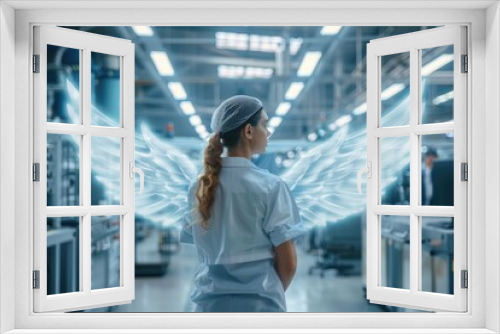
7	161
492	152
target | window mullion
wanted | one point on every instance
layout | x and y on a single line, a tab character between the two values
421	129
431	129
86	167
66	129
414	170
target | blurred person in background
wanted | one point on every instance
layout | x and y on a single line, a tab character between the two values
427	177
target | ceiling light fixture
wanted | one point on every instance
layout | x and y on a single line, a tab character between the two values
177	90
294	90
309	63
187	108
162	63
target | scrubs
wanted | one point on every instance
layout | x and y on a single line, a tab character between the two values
253	211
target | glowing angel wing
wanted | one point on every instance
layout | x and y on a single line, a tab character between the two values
166	200
168	172
323	180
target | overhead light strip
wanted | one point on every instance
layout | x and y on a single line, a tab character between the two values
162	63
330	30
145	31
309	63
294	90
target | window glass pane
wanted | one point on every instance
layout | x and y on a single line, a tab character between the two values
105	85
395	170
437	254
437	84
106	185
395	252
105	250
63	256
63	84
395	89
63	169
437	169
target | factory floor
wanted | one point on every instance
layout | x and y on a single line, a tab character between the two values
307	293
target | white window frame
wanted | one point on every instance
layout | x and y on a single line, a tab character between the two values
85	43
483	102
412	44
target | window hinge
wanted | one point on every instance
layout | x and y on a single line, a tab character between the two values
465	279
465	171
36	279
36	63
465	64
36	172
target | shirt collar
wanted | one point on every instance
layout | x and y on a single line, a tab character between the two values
237	162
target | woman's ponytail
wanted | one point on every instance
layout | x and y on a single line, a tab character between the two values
208	182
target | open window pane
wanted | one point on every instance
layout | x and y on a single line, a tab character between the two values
63	170
394	89
77	169
106	185
73	175
105	260
63	82
437	169
63	255
438	154
437	254
395	252
395	177
105	89
437	84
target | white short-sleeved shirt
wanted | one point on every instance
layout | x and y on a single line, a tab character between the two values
253	211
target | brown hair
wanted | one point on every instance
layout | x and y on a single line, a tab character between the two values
212	161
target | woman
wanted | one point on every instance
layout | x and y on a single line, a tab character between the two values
244	220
